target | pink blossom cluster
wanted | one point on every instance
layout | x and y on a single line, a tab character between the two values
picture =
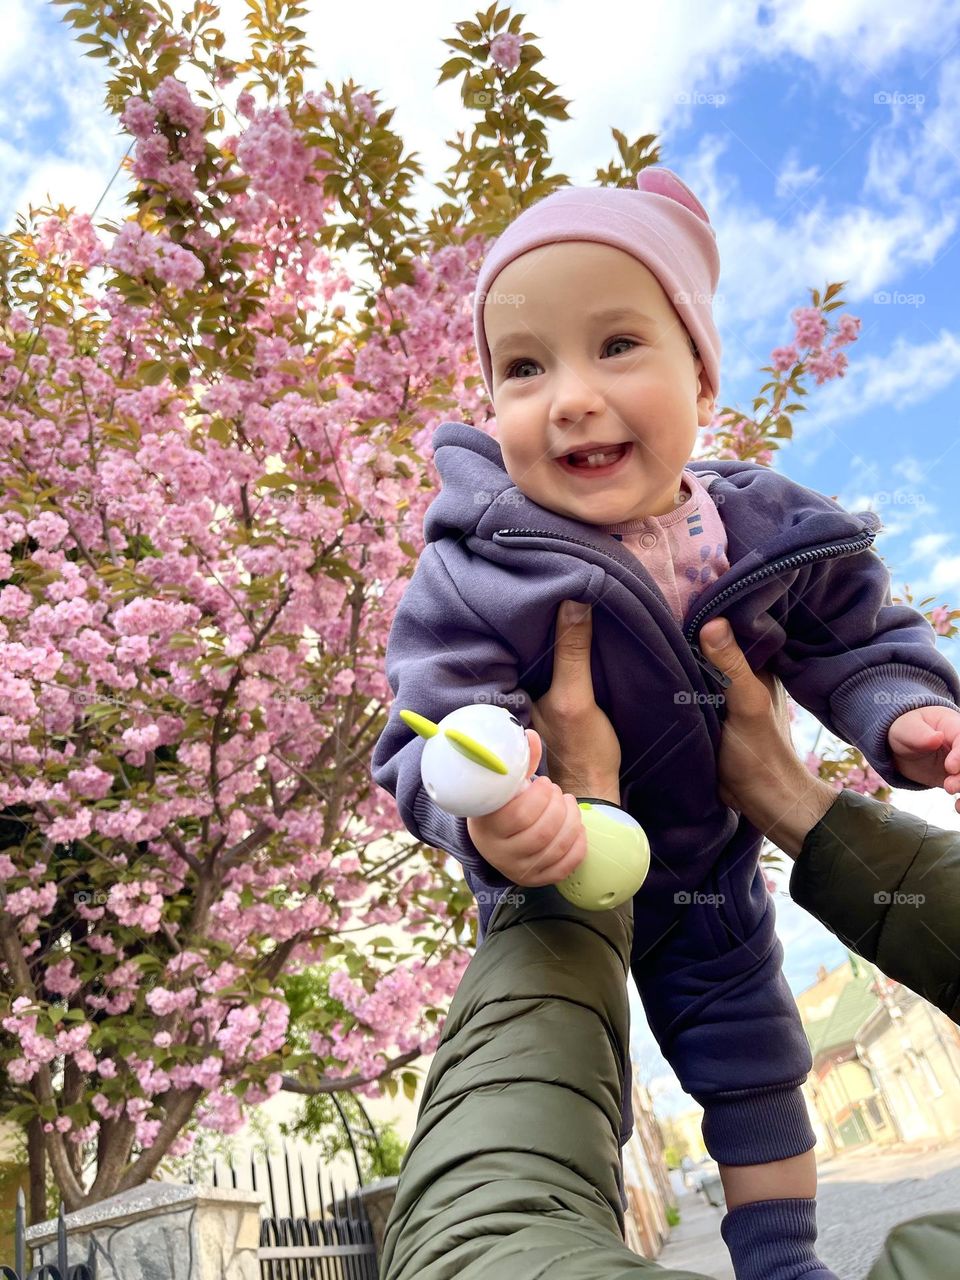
73	239
505	50
864	779
824	362
137	252
169	129
941	619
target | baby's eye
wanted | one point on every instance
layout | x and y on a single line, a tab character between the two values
509	372
614	341
517	364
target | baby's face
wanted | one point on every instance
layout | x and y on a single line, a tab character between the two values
564	377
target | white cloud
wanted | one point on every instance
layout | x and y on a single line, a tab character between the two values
945	575
928	545
76	167
907	374
917	151
792	177
859	37
18	28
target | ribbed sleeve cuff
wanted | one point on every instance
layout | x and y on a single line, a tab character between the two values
773	1240
866	705
757	1128
441	830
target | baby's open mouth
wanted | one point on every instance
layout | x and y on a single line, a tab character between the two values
596	461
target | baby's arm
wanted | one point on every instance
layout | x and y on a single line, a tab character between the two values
925	746
441	655
856	660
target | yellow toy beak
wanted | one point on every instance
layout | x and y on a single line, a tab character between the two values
461	742
475	751
419	724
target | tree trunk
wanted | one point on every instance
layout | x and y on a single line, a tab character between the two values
37	1172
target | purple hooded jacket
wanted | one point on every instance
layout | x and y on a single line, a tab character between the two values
807	599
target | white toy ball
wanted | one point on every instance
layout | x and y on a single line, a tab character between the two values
474	760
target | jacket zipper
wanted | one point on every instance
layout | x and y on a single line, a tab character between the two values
827	551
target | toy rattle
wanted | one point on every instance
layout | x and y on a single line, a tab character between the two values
477	759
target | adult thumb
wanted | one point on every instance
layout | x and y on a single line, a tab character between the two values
571	664
718	643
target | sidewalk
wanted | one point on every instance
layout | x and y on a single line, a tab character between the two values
695	1243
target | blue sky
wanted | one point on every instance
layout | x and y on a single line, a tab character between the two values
819	134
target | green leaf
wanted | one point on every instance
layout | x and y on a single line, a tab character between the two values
152	372
454	67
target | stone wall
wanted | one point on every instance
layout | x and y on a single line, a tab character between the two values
162	1231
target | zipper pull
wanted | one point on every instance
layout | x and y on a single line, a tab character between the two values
713	671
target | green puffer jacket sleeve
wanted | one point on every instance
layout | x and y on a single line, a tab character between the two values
512	1171
925	1248
887	883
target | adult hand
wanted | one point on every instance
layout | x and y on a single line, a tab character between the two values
584	751
758	769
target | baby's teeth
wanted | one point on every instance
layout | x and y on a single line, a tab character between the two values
598	459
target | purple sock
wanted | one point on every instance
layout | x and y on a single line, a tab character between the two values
773	1240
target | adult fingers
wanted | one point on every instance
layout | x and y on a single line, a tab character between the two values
746	694
572	680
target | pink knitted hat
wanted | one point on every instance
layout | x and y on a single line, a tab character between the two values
662	224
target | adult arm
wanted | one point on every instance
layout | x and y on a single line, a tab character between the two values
879	879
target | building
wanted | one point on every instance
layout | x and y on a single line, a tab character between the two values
646	1180
913	1053
886	1064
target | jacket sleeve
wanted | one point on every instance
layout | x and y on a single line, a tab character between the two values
857	661
720	1009
441	655
885	881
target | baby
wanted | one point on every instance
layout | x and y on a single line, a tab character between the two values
600	354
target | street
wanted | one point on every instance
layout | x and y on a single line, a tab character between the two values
860	1197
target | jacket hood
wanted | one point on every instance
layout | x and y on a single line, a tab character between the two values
760	507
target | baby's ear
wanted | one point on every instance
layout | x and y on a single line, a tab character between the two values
660	181
705	401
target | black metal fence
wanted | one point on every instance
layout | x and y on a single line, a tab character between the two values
49	1271
306	1234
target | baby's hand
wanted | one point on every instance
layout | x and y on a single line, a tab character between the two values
536	838
925	745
